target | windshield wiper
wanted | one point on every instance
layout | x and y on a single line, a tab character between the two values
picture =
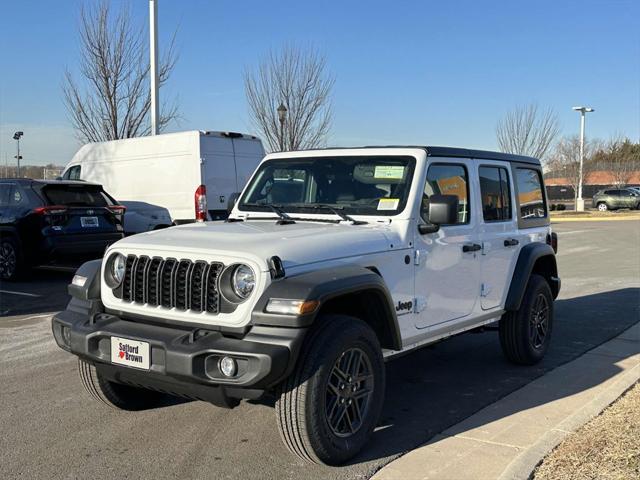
335	211
277	209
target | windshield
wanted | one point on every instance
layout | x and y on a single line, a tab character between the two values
357	185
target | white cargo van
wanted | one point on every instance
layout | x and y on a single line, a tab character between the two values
169	179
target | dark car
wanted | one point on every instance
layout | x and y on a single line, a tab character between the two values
44	222
614	198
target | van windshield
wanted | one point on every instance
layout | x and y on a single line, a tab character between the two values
355	185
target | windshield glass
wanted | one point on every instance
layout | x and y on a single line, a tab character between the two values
358	185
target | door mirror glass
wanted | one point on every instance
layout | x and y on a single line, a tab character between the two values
439	210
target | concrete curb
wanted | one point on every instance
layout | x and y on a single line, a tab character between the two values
560	219
508	439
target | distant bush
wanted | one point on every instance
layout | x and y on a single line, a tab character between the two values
552	207
561	206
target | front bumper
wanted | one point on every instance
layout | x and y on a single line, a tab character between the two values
184	361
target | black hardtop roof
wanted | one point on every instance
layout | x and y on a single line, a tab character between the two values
40	182
437	151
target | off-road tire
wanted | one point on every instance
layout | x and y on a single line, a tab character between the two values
116	395
518	337
301	408
12	265
602	207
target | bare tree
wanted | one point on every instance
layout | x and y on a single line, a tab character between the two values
113	98
296	79
565	160
621	158
527	131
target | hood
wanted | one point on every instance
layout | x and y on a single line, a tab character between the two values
296	244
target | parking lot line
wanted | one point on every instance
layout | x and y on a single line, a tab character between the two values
24	294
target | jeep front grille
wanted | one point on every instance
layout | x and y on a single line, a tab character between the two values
171	283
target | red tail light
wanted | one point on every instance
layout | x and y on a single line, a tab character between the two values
117	209
552	239
200	199
51	210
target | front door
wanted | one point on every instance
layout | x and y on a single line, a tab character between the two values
447	280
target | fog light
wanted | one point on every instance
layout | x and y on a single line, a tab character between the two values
79	280
228	366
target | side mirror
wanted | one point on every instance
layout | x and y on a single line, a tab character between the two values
58	178
233	198
440	210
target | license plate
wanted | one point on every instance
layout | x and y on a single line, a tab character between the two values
89	221
131	353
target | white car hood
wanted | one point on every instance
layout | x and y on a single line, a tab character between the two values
296	244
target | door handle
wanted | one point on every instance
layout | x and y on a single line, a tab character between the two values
512	242
471	247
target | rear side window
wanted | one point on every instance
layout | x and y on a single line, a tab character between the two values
76	195
496	194
449	179
530	195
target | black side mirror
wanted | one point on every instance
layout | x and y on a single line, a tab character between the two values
233	198
441	210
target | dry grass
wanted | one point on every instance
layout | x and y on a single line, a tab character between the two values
606	448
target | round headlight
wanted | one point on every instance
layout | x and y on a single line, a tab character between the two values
115	270
243	280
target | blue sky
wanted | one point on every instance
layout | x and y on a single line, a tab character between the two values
421	72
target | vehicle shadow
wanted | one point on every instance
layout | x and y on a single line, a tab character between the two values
43	290
434	388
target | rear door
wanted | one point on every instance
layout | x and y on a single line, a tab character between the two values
72	209
500	242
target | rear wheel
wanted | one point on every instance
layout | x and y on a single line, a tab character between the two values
525	334
115	395
602	207
330	404
11	263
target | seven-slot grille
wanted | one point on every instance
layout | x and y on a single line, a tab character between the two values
171	283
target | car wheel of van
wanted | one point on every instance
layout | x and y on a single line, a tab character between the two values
116	395
11	265
603	207
330	404
525	334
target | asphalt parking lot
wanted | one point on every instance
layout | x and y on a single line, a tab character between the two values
52	429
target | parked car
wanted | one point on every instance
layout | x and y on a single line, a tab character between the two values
330	262
43	222
612	199
169	179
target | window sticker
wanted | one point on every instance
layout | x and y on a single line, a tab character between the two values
388	203
393	172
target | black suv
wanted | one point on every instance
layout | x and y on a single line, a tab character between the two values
44	222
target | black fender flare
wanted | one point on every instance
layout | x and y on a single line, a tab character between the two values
324	285
527	258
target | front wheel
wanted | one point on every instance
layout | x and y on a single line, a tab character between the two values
525	334
330	404
11	262
115	395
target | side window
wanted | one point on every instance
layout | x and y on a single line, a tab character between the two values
609	192
72	174
17	196
530	197
495	193
449	179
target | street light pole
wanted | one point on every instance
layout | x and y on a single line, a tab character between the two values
282	116
16	137
579	199
153	64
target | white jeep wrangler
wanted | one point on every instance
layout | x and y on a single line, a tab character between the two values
331	261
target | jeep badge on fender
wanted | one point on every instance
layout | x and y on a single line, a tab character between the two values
331	262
